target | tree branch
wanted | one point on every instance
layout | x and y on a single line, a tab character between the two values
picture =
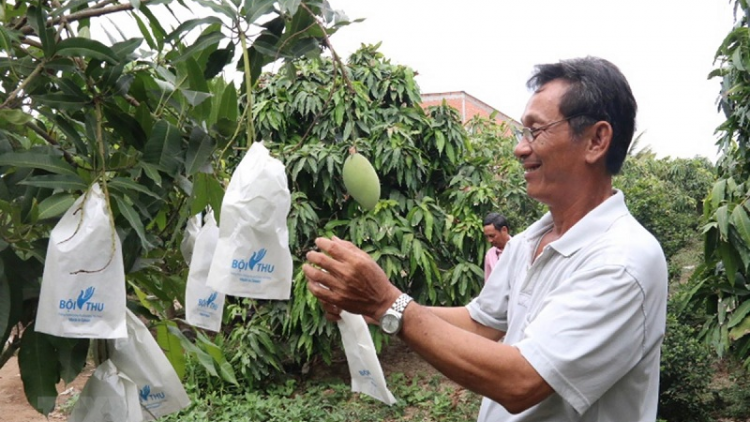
52	141
95	11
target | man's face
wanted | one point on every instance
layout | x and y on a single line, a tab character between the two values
553	162
497	238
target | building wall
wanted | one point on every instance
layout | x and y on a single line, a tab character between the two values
467	105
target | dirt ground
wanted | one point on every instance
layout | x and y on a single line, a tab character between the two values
13	404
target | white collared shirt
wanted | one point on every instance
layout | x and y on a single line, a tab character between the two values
588	314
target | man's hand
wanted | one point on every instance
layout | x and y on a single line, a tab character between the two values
344	277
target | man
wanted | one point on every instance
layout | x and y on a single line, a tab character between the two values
496	232
580	296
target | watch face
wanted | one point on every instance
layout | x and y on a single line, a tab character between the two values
390	323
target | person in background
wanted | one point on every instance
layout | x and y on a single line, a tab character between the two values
496	231
580	296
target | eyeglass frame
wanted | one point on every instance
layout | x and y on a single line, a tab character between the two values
530	135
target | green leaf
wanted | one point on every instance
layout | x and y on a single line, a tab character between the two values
203	42
156	28
124	49
189	25
729	257
290	6
170	344
72	354
739	314
84	47
145	32
200	147
38	21
62	101
722	217
740	330
203	358
207	191
229	108
125	125
55	205
163	147
28	159
217	60
125	185
40	370
134	219
255	9
56	181
13	117
152	172
717	193
741	223
225	369
219	7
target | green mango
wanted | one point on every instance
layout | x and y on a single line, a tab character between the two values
361	181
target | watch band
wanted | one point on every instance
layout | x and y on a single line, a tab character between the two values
400	304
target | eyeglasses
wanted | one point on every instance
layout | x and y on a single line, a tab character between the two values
530	135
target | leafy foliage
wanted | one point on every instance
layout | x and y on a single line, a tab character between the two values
721	283
686	372
147	118
436	181
664	195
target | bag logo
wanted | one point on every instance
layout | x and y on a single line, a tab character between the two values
145	395
83	300
209	302
254	263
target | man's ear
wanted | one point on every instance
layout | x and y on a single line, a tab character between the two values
598	142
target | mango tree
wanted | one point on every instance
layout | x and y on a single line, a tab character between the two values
150	118
720	295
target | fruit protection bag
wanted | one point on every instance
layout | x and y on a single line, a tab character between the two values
204	306
139	356
364	367
108	396
252	257
192	228
83	284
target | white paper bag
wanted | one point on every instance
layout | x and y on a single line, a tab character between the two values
252	257
204	306
192	228
142	360
364	366
83	284
108	396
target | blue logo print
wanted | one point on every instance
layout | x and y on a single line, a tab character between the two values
254	263
84	297
83	302
209	302
145	396
144	392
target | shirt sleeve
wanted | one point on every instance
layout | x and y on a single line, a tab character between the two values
589	332
490	308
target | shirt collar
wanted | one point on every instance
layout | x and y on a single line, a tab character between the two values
597	221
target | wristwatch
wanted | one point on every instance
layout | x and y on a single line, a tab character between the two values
392	319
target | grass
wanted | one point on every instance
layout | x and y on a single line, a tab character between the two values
419	399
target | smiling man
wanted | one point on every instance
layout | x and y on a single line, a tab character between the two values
578	298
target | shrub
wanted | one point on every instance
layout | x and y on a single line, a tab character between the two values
687	367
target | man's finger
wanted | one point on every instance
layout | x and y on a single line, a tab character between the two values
318	282
338	249
325	262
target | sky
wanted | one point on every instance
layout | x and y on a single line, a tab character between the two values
488	48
